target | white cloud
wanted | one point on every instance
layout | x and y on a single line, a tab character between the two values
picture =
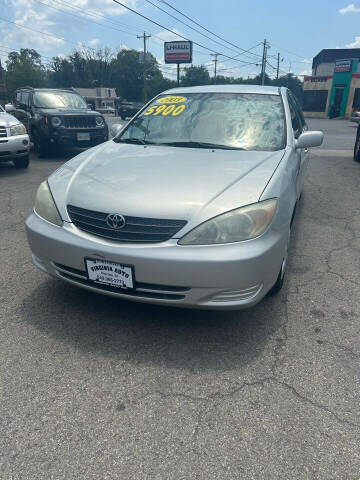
307	60
349	9
166	36
354	44
93	42
36	18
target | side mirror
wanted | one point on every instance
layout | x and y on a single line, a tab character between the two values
115	129
9	108
309	139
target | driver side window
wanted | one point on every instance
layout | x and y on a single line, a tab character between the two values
295	120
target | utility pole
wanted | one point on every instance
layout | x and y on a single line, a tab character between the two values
278	66
215	55
144	37
263	65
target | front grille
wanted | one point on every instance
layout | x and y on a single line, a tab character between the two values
136	229
79	121
3	132
144	290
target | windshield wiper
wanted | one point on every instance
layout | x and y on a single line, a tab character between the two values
135	141
191	144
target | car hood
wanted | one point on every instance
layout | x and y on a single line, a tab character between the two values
162	182
6	120
65	111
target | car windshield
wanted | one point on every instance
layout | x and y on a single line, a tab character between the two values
243	121
59	100
1	109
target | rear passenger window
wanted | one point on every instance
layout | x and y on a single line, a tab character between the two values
18	97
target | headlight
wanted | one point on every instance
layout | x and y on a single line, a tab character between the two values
55	121
45	206
238	225
18	129
99	121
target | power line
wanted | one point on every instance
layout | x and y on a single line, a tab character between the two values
209	31
85	19
168	29
187	25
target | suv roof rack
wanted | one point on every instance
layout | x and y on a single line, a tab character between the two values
27	87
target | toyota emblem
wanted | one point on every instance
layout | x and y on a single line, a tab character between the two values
115	221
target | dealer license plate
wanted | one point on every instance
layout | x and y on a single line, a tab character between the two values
113	274
83	137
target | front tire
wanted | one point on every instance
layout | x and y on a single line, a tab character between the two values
357	150
40	146
22	162
281	277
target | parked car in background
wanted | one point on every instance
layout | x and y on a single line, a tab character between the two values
106	109
191	204
58	119
129	109
14	141
357	145
355	115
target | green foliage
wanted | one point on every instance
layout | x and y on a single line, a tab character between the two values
24	68
122	70
195	76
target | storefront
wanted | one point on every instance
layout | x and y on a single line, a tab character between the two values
334	88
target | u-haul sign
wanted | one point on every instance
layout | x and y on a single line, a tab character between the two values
178	52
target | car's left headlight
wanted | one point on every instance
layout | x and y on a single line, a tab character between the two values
99	121
45	206
55	121
17	129
244	223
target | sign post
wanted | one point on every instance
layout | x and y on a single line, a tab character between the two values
178	52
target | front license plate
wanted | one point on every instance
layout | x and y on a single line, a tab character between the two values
83	137
113	274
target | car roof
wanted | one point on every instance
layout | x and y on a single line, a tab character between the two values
226	89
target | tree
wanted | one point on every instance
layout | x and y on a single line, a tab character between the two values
292	83
24	68
195	76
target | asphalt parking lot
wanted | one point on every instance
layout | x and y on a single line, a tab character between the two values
97	388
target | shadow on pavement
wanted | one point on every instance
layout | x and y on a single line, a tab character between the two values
179	338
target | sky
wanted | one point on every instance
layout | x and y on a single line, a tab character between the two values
297	30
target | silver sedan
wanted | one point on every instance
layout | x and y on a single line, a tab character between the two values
191	204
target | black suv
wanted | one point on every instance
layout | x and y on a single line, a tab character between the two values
58	119
129	109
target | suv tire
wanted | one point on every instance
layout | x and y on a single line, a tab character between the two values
357	150
22	162
40	146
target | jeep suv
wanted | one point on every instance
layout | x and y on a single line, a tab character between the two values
58	119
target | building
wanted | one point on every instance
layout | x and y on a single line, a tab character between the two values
99	97
333	89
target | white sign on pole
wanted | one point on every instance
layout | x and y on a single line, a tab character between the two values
178	52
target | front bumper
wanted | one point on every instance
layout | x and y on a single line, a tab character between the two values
68	138
13	147
219	277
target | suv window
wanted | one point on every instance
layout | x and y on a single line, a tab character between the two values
25	98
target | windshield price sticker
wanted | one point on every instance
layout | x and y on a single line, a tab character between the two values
165	110
173	99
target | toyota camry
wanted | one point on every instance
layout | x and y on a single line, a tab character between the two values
190	204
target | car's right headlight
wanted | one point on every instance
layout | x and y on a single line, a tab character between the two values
244	223
17	129
45	206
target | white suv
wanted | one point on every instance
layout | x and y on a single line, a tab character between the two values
14	141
